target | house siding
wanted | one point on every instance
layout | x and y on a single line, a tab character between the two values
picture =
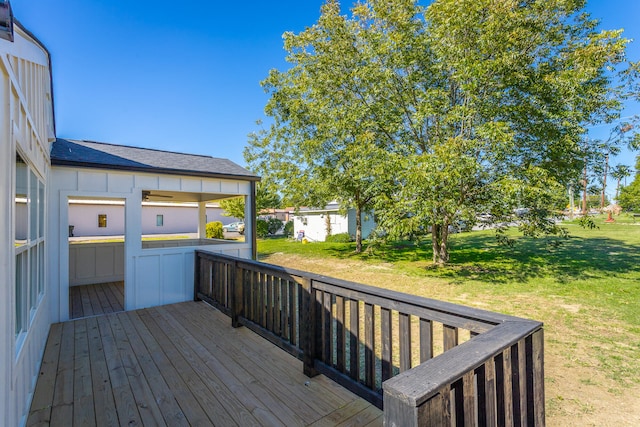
26	128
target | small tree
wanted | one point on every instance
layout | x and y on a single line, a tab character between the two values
214	230
233	207
266	198
262	228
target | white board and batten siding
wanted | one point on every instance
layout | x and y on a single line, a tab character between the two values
26	129
153	276
92	263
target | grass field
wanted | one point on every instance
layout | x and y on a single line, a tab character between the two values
586	291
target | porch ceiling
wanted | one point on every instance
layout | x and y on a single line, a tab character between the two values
182	197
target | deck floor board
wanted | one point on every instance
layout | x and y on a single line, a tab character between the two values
181	364
93	300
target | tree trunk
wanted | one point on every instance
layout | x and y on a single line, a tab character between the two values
584	191
439	238
604	180
358	229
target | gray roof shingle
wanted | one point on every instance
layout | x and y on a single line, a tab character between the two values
90	154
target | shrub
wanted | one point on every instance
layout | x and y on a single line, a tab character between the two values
288	229
214	230
262	228
339	238
274	225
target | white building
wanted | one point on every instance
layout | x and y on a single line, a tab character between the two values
317	224
106	217
40	175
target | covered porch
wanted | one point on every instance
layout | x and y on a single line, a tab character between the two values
181	364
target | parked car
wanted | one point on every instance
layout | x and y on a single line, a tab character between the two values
234	226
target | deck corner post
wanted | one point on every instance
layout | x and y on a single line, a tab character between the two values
398	412
538	377
237	297
308	328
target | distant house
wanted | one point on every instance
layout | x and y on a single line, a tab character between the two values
39	177
317	224
106	217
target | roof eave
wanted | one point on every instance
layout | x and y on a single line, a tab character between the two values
166	171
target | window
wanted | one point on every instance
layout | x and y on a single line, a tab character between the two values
102	220
159	220
29	196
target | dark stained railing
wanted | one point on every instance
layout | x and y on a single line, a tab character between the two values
386	346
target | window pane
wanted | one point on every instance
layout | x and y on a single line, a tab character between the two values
102	220
33	206
159	220
41	204
41	268
19	293
21	213
33	277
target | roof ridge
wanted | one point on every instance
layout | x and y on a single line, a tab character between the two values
145	148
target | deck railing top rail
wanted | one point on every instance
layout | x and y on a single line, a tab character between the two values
465	312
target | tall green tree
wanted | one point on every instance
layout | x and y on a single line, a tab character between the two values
620	172
440	112
323	143
629	197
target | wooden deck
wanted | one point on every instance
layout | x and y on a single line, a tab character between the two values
91	300
181	364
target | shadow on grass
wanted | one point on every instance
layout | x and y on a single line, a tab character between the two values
479	256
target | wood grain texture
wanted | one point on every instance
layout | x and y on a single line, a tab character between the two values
181	364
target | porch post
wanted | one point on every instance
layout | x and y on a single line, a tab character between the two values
202	220
308	326
250	220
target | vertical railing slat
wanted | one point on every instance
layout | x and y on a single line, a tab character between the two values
385	342
327	336
508	397
426	340
354	339
292	315
449	337
468	391
369	346
340	331
537	351
277	301
269	302
405	341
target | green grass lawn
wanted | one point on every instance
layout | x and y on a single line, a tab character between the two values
586	291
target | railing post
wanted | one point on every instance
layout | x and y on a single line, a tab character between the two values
237	295
308	328
196	277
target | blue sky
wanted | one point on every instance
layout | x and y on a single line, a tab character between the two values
184	75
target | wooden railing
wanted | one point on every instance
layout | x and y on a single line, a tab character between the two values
423	361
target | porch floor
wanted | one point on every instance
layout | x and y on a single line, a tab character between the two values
181	364
91	300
